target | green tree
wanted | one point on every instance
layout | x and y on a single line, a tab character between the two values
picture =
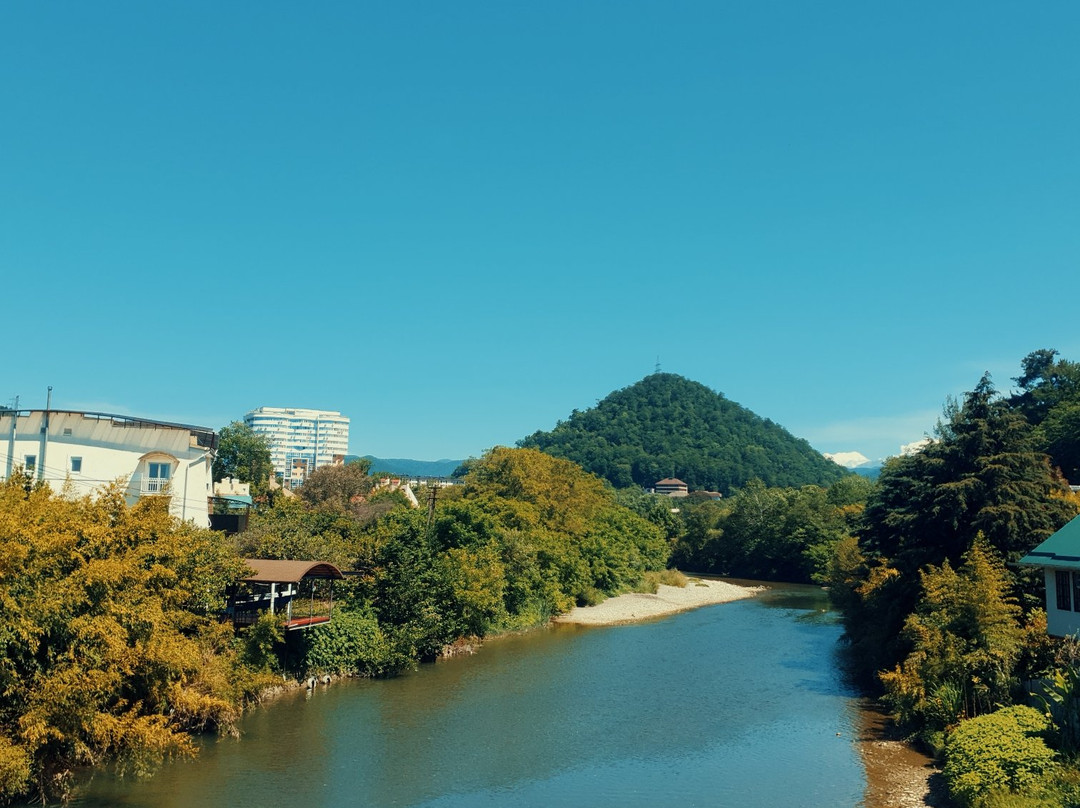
1049	398
290	529
353	643
244	455
966	640
337	487
982	474
786	534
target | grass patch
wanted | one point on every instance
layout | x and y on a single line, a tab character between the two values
651	581
532	615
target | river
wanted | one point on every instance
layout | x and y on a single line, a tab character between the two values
740	704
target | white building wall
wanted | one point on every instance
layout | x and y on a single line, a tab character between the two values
1059	622
301	440
86	451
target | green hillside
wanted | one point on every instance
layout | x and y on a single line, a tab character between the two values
668	426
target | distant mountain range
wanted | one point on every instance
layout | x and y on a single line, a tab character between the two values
410	468
668	426
870	472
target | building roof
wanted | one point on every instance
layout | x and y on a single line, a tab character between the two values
1061	550
273	571
671	481
205	436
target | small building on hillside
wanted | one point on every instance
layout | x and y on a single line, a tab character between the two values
671	487
88	450
1059	558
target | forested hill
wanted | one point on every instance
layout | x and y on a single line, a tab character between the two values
668	426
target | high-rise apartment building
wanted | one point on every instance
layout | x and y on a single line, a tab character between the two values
301	440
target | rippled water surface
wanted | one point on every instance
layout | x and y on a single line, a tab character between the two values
733	705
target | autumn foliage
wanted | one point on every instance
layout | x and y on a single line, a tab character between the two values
111	647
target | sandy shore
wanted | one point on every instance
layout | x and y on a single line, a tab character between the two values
635	606
897	775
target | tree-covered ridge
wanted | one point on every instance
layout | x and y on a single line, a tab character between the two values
666	426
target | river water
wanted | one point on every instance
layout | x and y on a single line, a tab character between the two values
740	704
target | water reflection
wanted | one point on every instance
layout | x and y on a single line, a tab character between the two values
742	700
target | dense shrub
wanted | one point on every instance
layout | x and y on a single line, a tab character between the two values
352	643
999	752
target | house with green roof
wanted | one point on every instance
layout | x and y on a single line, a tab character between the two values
1059	557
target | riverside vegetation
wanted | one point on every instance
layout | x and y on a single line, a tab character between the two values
115	654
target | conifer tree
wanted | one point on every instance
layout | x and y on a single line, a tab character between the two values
982	475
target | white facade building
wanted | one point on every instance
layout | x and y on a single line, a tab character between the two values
301	440
1059	557
88	450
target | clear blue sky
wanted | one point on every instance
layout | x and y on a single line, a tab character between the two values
457	222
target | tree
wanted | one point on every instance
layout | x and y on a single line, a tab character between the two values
244	455
1049	398
290	529
966	640
983	474
112	647
337	487
785	534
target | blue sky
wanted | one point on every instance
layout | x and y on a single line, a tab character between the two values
455	223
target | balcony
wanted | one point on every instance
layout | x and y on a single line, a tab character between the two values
155	485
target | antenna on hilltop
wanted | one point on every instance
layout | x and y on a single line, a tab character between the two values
657	364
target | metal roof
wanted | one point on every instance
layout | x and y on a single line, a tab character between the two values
1061	550
273	571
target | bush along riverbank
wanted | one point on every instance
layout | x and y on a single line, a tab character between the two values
116	652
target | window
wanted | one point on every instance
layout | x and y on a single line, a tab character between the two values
1075	590
1064	590
76	465
30	466
157	477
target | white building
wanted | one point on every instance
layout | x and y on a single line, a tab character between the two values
301	440
1059	558
89	450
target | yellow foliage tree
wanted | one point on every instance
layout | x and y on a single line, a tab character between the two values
107	620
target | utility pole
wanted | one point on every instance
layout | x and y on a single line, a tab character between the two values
11	440
45	435
431	508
